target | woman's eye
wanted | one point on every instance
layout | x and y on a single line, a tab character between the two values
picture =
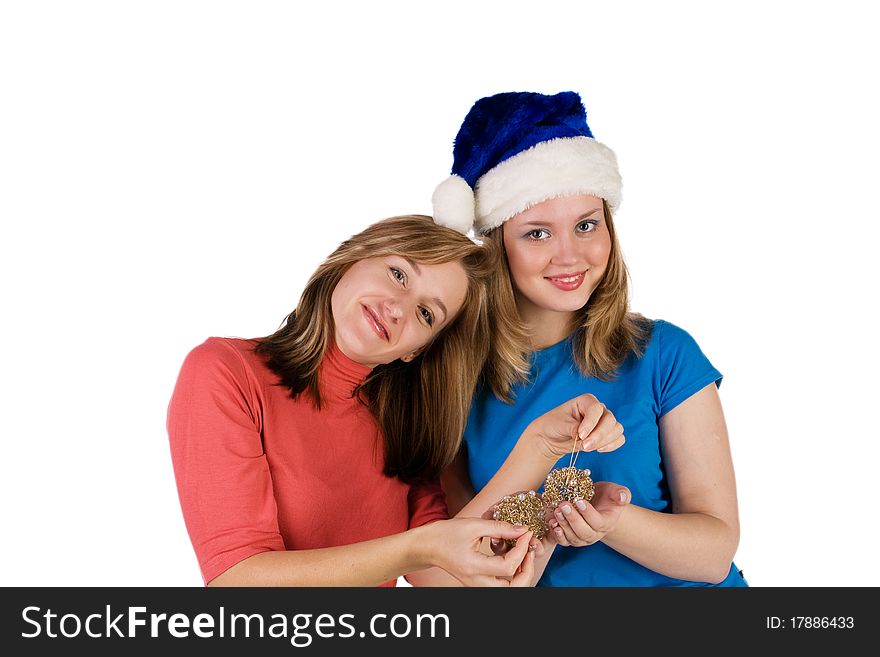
427	315
537	234
587	226
399	275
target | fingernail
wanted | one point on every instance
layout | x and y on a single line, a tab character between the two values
581	505
589	445
553	524
519	526
566	508
623	496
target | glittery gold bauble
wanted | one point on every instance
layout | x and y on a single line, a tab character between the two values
523	509
569	484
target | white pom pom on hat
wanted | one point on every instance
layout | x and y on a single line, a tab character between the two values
454	204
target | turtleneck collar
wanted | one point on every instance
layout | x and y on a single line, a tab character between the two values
339	375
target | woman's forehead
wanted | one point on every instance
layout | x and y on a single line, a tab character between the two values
558	209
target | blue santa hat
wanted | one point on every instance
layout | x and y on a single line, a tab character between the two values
515	150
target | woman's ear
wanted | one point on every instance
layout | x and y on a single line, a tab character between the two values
409	357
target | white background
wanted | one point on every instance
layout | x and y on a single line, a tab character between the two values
175	170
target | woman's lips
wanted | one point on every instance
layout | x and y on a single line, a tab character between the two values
375	323
567	282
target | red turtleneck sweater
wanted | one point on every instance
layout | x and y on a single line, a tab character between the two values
258	471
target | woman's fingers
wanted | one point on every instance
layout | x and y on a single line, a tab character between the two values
592	519
501	529
606	432
537	547
504	565
614	444
591	411
609	496
575	529
561	537
585	532
514	557
526	573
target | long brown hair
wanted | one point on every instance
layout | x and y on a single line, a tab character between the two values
604	331
421	407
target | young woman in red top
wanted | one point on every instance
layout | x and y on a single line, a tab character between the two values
310	457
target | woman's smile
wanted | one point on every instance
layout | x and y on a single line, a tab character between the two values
567	282
375	323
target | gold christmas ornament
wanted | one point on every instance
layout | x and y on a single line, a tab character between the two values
567	484
532	509
524	508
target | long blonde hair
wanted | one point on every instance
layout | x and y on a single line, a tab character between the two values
604	331
421	407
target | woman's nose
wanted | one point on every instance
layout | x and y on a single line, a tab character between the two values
393	308
565	251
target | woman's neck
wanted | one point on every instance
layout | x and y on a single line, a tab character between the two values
545	327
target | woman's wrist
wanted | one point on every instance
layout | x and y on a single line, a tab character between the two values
420	546
535	446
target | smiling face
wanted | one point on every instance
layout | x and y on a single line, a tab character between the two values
558	252
390	307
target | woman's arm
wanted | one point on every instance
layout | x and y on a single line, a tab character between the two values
452	545
698	540
228	500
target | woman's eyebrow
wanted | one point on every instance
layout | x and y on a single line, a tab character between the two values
414	265
442	307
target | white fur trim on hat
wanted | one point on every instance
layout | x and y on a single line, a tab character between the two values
453	202
550	169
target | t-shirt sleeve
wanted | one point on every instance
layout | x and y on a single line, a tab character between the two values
683	368
223	478
427	503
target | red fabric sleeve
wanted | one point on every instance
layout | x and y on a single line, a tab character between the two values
427	503
223	478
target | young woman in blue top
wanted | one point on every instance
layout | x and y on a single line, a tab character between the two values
529	175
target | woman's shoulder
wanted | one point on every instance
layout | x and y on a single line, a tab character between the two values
221	348
222	353
665	334
669	342
672	346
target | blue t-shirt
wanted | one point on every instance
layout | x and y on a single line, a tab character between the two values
672	369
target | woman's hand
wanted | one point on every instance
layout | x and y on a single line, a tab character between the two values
584	417
585	523
498	546
454	546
